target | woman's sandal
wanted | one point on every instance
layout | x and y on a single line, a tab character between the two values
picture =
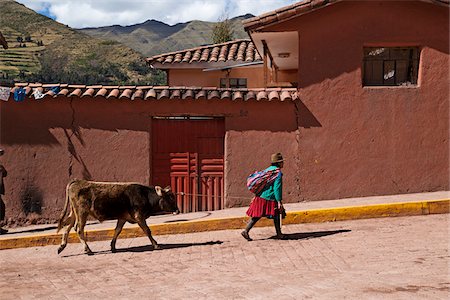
246	236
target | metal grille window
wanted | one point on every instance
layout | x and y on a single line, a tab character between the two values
233	82
390	66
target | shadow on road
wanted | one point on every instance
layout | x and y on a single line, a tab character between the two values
167	246
310	235
146	248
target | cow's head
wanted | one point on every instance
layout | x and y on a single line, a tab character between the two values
167	202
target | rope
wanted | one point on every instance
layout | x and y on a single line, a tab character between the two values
233	197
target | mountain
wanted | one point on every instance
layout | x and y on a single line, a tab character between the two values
41	49
154	37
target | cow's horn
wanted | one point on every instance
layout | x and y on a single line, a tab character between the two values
158	190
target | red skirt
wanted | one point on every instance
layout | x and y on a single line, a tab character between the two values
260	207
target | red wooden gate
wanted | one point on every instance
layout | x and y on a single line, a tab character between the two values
188	155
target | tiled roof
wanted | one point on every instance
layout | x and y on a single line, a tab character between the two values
157	92
241	51
300	8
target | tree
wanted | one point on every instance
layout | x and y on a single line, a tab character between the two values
222	31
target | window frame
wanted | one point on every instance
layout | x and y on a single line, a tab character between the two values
393	58
239	82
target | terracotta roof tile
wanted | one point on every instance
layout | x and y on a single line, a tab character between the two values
63	92
237	96
176	94
250	96
165	93
75	93
187	56
188	94
127	93
101	92
238	50
213	95
262	95
204	55
201	95
138	94
114	93
178	57
285	13
88	93
151	94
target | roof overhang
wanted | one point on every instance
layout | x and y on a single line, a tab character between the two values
202	65
283	47
55	90
286	13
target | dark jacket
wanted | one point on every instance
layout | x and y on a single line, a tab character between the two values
3	173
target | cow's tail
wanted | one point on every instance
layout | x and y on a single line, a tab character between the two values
61	222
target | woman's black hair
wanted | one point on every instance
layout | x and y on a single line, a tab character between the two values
277	164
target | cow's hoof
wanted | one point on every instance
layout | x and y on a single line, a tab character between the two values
156	247
89	252
60	249
113	250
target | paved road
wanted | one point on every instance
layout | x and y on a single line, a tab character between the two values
390	258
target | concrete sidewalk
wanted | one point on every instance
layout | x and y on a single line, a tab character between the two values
234	218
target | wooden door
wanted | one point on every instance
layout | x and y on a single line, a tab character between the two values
187	154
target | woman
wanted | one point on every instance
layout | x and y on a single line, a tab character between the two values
3	173
268	203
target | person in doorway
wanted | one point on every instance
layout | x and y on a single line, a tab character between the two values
3	173
268	202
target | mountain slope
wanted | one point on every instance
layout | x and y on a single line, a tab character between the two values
41	49
154	37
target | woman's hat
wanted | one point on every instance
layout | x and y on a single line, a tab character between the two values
277	157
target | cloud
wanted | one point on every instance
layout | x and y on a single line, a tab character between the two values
96	13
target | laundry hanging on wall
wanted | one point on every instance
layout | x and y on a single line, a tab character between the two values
37	94
19	94
4	93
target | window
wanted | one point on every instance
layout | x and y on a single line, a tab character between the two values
233	82
390	66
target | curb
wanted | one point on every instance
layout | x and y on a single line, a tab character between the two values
307	216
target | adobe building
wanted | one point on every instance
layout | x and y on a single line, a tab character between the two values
355	94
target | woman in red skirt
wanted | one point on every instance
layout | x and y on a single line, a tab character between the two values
268	203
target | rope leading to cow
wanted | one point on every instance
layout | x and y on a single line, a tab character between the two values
206	195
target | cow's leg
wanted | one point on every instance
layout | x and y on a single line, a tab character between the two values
65	236
81	222
148	232
117	231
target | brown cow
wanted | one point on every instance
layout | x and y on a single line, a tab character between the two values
132	202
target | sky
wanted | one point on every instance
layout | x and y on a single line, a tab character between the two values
97	13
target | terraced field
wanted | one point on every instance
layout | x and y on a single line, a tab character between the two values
18	59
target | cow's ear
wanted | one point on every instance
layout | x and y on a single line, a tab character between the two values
167	189
158	190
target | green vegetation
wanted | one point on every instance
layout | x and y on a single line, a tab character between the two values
222	31
43	50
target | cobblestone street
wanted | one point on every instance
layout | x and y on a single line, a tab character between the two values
394	258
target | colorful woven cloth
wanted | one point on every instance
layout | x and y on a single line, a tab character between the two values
257	181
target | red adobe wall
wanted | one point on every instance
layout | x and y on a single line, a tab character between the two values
197	77
47	142
361	141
